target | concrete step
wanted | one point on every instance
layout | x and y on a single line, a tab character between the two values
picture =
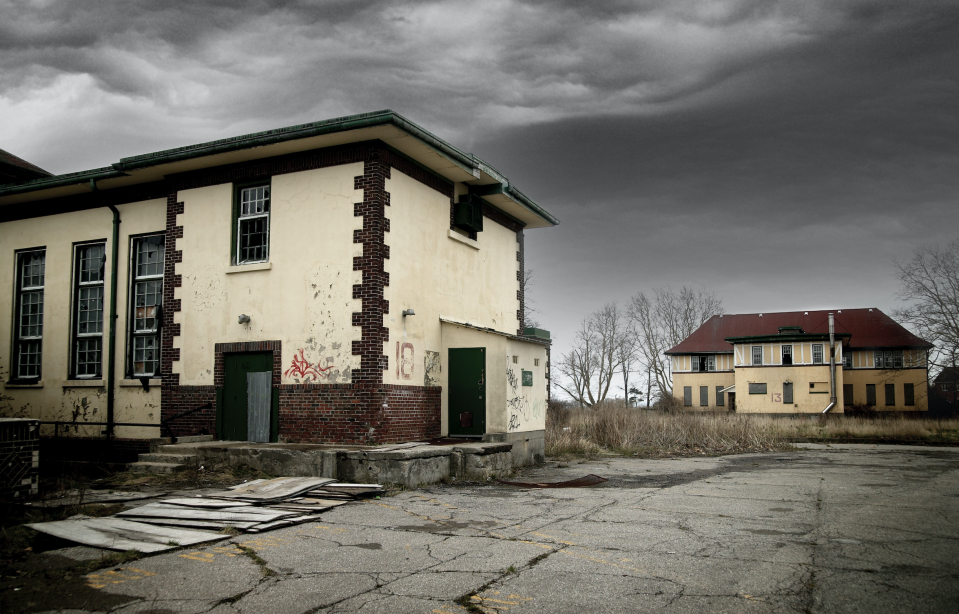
151	467
180	459
159	441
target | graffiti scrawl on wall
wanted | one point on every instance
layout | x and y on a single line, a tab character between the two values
302	368
404	360
520	408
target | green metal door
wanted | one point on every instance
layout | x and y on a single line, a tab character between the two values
467	392
236	402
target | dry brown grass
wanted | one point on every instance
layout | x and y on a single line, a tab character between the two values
612	428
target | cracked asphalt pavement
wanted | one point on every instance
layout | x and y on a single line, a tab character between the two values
842	528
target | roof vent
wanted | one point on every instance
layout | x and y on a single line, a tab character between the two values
761	315
870	311
806	313
790	330
840	311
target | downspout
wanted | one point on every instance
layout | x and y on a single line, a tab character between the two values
832	364
112	352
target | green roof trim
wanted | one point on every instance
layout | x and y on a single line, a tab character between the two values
468	162
58	181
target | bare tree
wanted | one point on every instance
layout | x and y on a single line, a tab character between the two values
593	361
627	359
663	321
929	282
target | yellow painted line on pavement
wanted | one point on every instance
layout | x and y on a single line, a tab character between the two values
101	579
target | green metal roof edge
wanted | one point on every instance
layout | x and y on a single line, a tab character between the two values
279	135
57	181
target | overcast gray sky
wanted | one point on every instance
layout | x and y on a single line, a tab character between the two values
779	153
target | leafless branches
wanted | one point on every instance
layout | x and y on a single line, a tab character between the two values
663	321
596	356
930	283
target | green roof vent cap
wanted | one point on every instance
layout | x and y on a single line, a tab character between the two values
538	333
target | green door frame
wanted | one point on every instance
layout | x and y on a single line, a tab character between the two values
222	421
466	397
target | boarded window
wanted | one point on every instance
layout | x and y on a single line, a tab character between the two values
847	394
757	355
704	396
687	396
909	394
787	354
817	354
788	392
871	395
757	388
720	397
890	394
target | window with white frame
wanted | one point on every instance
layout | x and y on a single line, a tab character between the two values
703	363
888	359
88	263
847	360
146	292
28	333
757	355
253	224
817	353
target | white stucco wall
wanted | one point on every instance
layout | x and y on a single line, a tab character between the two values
305	296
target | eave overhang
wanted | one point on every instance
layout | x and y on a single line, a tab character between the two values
387	126
779	338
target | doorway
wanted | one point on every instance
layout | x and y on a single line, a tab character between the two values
467	392
732	400
248	408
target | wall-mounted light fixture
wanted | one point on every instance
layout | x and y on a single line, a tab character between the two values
408	312
243	319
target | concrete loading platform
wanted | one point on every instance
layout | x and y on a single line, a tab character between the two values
407	464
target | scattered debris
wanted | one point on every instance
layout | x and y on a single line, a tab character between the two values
586	480
252	507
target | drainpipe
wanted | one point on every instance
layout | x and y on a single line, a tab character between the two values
832	364
112	351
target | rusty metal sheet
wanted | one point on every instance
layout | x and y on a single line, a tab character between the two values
586	480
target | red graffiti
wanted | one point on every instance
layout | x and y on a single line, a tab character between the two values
403	361
303	368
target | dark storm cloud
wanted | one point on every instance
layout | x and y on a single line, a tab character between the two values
777	151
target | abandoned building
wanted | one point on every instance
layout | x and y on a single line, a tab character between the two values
780	363
355	280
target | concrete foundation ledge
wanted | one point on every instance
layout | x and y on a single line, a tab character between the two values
529	447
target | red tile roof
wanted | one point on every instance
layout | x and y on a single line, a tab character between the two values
870	328
18	168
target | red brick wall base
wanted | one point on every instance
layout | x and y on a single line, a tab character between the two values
178	399
357	413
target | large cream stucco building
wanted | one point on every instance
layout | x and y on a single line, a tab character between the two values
779	363
351	280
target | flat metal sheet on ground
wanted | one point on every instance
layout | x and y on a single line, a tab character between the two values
245	484
201	502
283	523
119	534
213	525
241	514
273	490
75	497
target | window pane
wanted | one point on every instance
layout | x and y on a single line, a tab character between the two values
757	355
711	363
90	310
146	355
88	357
255	200
687	396
253	239
28	363
703	396
817	353
31	314
32	269
149	256
148	294
91	259
720	397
